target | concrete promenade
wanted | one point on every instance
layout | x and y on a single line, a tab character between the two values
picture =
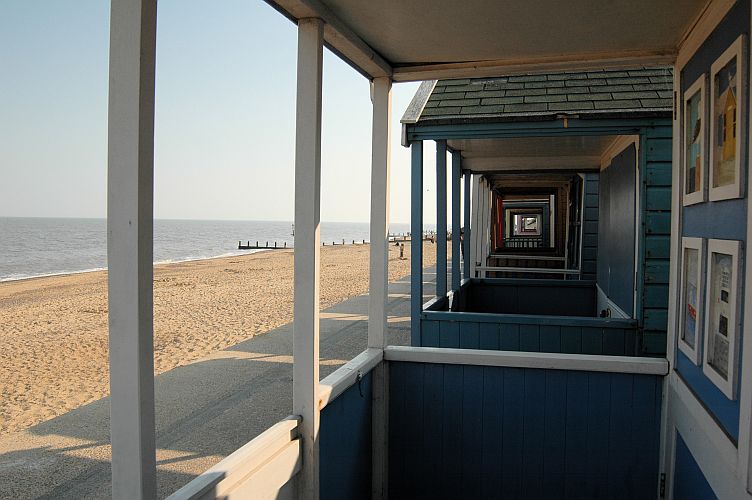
205	410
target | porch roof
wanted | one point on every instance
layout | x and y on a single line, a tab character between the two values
635	92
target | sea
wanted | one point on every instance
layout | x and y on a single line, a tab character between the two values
33	247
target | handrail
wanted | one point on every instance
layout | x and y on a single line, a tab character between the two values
529	319
533	270
347	375
538	360
527	257
261	467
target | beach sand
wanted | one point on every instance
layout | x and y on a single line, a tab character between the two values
54	329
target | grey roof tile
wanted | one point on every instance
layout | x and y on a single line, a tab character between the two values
594	91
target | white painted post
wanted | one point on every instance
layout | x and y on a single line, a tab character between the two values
475	225
130	204
379	250
306	257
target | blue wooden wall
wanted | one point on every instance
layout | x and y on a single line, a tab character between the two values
689	481
345	444
655	245
488	432
590	228
517	332
721	220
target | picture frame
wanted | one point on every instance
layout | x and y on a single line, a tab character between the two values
694	164
721	343
692	297
727	131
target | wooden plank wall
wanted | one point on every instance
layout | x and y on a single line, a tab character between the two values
488	432
590	228
345	444
656	227
525	296
530	334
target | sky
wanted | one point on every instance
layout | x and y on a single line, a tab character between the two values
224	119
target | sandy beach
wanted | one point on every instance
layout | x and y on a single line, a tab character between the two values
54	330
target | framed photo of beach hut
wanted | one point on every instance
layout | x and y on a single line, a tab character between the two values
694	143
691	298
722	315
727	101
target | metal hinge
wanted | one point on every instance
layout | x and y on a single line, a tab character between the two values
663	485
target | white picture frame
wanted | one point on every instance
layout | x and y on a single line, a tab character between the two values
721	342
727	127
692	299
693	138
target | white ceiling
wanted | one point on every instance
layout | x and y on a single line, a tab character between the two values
410	38
532	153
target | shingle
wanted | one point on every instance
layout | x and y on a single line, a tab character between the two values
545	98
471	87
525	92
635	95
613	88
501	100
459	102
482	110
589	81
432	104
628	81
628	104
519	108
657	103
593	96
542	85
485	93
568	90
570	106
568	76
660	79
450	95
503	86
440	111
650	72
528	78
654	86
454	82
666	94
616	74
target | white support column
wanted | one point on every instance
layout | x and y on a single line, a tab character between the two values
379	251
475	225
306	259
130	204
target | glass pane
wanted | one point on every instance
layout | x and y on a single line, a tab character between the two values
693	161
691	265
720	312
724	142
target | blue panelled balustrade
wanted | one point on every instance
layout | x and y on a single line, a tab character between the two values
459	431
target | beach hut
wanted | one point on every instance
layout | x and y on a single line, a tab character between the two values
569	174
484	420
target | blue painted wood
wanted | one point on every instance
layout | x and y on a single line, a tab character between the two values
550	338
449	334
414	449
470	336
398	473
456	253
529	338
526	433
441	218
345	443
466	226
510	337
689	481
489	336
722	409
520	296
571	340
416	243
431	333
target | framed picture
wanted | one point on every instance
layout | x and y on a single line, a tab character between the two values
726	125
694	143
722	313
692	281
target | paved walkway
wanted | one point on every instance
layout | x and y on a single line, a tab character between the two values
205	410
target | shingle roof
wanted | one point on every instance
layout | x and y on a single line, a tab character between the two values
604	92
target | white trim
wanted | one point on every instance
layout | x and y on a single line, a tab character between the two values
307	263
735	50
538	360
269	456
699	31
605	303
699	195
546	64
474	223
745	391
715	454
732	248
692	353
381	142
130	208
347	375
